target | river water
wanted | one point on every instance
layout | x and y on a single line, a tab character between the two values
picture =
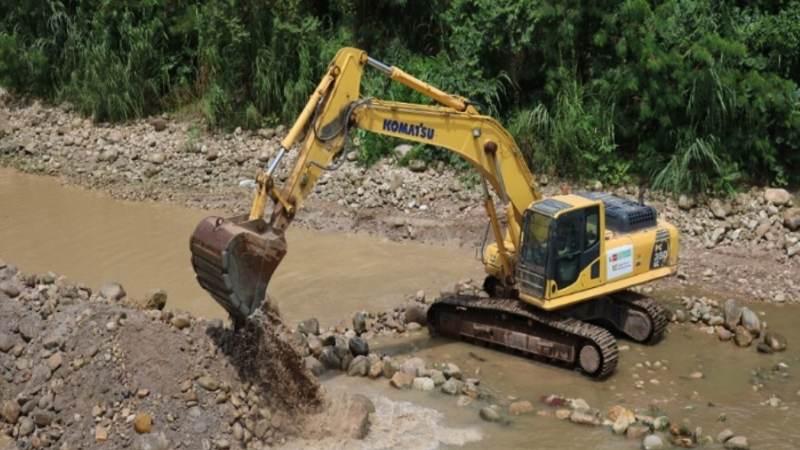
92	238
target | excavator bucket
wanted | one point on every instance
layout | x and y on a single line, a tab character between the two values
234	259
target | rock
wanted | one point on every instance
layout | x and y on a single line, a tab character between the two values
637	431
402	380
750	321
423	384
583	418
452	386
685	202
356	424
402	150
452	371
413	366
329	358
375	369
563	414
314	344
26	426
55	360
743	338
309	326
100	434
579	404
719	209
697	375
108	155
359	322
737	443
112	291
155	441
777	342
660	423
489	414
724	435
181	321
438	377
208	383
358	367
155	299
763	347
10	411
358	346
9	288
314	365
724	334
732	314
157	158
777	196
520	407
158	123
417	165
142	423
624	419
6	342
652	442
416	313
42	418
791	218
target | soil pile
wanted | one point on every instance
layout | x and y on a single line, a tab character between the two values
83	369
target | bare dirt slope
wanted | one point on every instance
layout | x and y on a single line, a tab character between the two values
82	370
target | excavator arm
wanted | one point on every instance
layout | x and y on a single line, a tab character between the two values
234	258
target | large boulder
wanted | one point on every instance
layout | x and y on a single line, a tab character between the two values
732	314
777	196
357	416
358	346
416	313
751	321
359	366
791	218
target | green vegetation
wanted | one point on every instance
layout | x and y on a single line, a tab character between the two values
691	94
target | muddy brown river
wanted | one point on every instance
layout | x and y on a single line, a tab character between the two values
92	238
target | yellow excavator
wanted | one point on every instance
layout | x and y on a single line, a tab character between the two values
558	272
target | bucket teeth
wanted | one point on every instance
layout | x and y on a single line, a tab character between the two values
234	259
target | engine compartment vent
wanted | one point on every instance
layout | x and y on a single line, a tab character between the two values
623	215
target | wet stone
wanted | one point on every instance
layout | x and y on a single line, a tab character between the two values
309	326
489	414
358	367
358	346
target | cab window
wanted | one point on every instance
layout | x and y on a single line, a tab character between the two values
592	227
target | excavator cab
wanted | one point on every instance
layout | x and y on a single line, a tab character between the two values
560	247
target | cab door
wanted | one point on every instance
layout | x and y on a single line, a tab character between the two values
574	260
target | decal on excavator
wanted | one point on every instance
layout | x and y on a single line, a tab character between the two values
406	128
620	261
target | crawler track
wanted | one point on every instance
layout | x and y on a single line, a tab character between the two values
516	326
657	314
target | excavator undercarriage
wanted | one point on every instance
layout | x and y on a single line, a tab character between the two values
573	338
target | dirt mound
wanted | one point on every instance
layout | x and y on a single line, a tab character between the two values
83	370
